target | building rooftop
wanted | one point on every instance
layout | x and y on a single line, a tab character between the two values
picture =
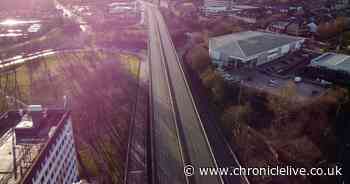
332	61
25	124
245	7
27	132
246	44
281	23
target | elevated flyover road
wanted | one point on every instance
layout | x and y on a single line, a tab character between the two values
179	137
166	152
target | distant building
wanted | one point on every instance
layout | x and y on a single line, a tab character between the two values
331	67
38	147
251	48
248	14
312	27
341	4
278	26
216	6
290	27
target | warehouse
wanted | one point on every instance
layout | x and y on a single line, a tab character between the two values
331	67
251	48
216	7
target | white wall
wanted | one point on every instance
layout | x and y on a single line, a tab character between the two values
62	157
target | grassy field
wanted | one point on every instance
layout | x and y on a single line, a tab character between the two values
102	88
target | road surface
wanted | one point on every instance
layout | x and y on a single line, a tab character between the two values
180	138
168	160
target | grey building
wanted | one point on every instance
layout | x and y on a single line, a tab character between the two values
331	67
341	4
251	48
332	61
216	6
37	147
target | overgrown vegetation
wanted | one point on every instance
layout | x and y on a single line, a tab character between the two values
131	38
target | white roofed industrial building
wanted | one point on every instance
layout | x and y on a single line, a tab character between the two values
332	61
251	48
216	6
331	67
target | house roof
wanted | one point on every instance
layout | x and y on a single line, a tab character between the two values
281	23
245	7
249	43
332	61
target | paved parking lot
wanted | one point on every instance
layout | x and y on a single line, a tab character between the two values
270	84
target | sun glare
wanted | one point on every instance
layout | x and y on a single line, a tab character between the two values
9	22
13	22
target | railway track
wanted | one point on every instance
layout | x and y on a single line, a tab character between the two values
132	132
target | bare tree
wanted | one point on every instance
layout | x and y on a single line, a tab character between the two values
283	102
